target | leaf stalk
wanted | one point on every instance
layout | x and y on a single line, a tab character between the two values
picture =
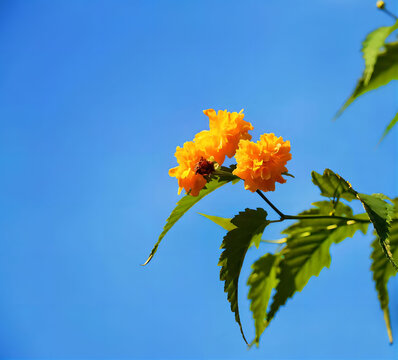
389	13
301	217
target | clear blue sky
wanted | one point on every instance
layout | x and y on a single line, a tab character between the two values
94	98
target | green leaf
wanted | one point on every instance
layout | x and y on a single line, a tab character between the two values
380	214
333	185
390	126
250	226
188	201
225	223
371	48
379	211
307	249
385	70
262	280
382	271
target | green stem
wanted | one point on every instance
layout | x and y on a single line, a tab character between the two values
224	173
390	13
302	217
271	204
276	221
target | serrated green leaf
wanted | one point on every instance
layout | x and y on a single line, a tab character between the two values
188	201
385	70
307	249
390	126
225	223
262	280
371	48
333	185
380	213
384	197
382	271
250	226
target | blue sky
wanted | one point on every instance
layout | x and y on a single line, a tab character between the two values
94	98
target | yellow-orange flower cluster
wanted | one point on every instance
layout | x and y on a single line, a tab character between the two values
261	164
188	156
226	130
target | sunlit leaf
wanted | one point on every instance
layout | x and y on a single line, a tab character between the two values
371	48
225	223
250	226
307	249
333	185
262	280
379	211
385	70
382	271
390	126
188	201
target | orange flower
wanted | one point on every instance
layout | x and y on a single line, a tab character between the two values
261	164
226	130
188	157
210	144
197	158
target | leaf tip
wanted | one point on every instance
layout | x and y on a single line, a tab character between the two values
388	325
148	260
254	342
244	338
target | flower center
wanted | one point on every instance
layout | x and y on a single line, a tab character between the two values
204	167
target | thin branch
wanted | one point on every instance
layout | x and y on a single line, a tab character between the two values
276	221
271	204
390	13
303	217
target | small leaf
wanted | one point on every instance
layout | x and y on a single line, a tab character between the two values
262	281
188	201
250	225
390	126
333	185
382	271
307	249
371	48
287	174
385	70
225	223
